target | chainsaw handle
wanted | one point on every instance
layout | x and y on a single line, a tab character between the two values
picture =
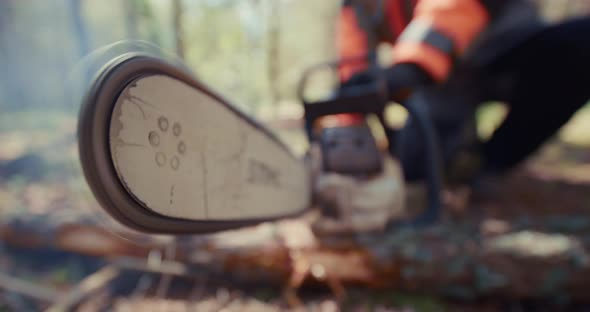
365	99
370	103
334	66
302	85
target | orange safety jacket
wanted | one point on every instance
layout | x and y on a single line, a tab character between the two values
429	33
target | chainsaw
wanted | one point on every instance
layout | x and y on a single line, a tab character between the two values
164	153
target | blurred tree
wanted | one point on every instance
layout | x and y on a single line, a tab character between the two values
5	90
11	76
149	21
273	52
315	19
131	18
80	32
177	18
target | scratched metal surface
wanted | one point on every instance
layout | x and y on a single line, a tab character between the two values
184	155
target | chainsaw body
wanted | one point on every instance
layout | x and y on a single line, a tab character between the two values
338	124
348	146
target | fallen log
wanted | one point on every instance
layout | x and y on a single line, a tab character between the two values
498	247
451	260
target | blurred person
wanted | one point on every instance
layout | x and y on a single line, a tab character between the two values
461	53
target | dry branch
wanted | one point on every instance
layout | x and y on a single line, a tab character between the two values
85	289
28	289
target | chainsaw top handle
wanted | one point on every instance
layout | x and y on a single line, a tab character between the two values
370	98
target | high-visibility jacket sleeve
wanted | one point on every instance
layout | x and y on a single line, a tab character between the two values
352	43
441	31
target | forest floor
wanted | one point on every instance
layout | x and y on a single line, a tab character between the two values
50	257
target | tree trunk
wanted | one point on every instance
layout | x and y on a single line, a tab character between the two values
177	10
80	32
273	53
131	20
12	81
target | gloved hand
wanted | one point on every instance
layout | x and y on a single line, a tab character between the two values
401	79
